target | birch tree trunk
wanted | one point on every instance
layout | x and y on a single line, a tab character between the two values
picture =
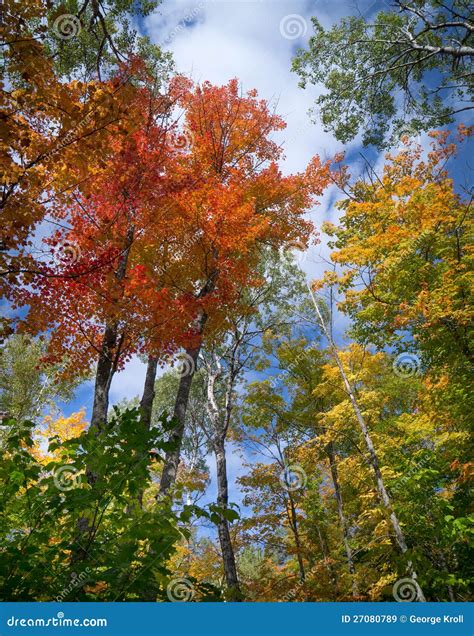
219	417
373	458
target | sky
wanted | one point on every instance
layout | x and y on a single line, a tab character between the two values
255	41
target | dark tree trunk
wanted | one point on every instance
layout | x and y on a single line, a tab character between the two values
327	562
103	378
106	366
225	540
170	468
342	518
110	350
296	534
146	403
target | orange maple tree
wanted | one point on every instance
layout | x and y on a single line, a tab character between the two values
170	230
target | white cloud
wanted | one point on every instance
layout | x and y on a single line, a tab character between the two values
243	40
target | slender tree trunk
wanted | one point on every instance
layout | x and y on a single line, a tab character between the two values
168	477
373	459
444	568
170	468
148	396
220	420
327	560
146	406
342	518
110	351
296	535
225	540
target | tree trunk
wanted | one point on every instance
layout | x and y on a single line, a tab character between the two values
170	468
225	541
294	528
373	459
110	350
342	518
327	562
146	403
103	378
106	367
146	406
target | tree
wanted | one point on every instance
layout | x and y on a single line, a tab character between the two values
98	302
224	365
403	281
303	365
412	63
403	248
244	202
193	472
286	406
27	385
55	135
89	40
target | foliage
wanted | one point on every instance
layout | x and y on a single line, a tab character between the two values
422	51
128	551
144	215
27	384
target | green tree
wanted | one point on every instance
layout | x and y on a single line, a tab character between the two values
413	63
28	385
88	39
